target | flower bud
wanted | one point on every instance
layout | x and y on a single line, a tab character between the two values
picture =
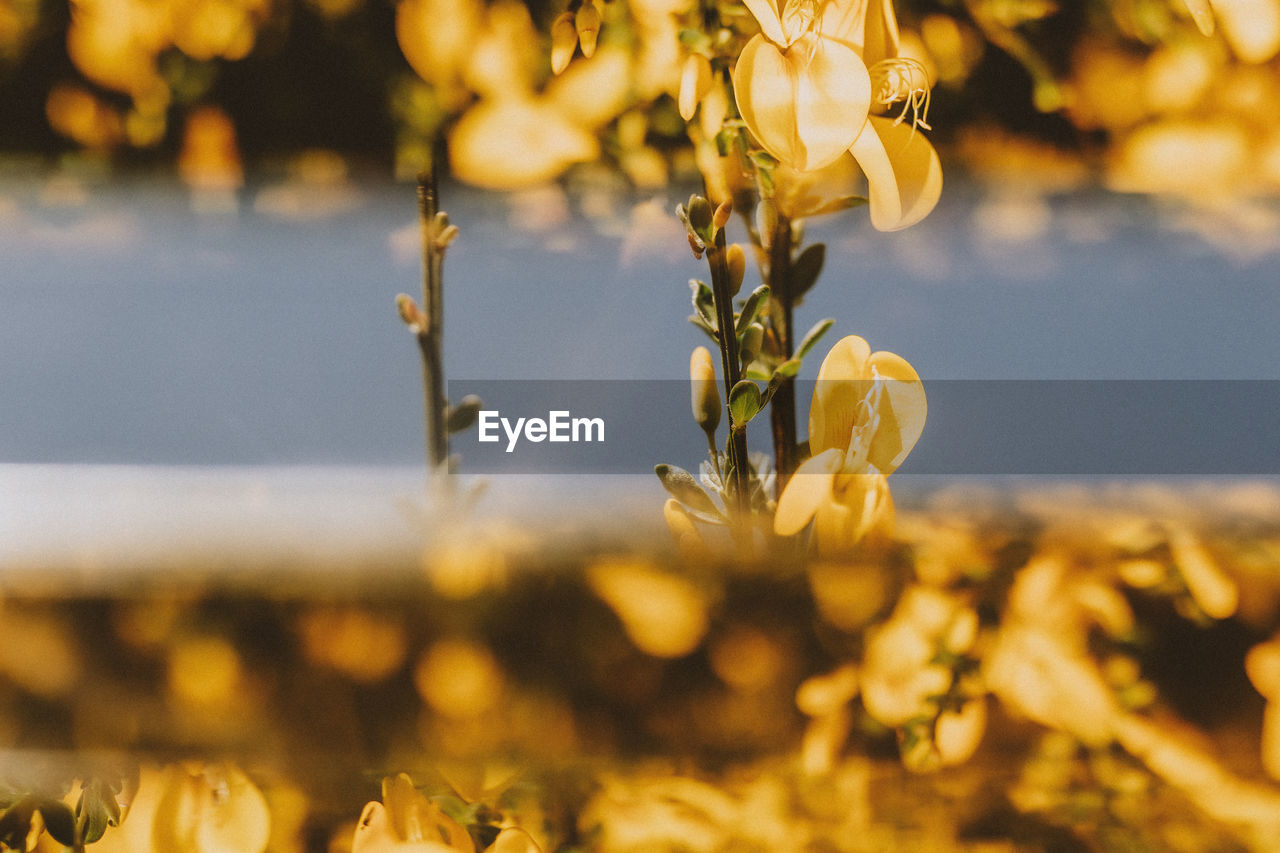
700	214
723	212
410	313
695	82
736	260
564	41
587	24
704	395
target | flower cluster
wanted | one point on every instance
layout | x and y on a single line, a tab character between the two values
813	85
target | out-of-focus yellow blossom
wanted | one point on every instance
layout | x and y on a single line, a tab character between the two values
1251	27
516	135
900	675
459	678
436	37
825	699
807	87
1262	664
1040	665
664	615
407	821
365	646
695	84
867	413
193	807
79	115
1213	591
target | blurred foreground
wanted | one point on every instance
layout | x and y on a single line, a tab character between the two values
1027	666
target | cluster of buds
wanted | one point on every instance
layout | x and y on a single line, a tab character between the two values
579	25
702	222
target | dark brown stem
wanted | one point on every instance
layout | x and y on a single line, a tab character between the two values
431	338
782	408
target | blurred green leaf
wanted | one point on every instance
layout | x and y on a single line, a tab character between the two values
463	415
806	268
59	822
811	337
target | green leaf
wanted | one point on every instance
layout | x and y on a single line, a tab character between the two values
787	369
744	402
812	337
59	822
751	308
681	485
702	324
704	302
464	414
757	371
806	268
725	140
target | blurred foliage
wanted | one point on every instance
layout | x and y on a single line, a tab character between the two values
1085	667
1158	95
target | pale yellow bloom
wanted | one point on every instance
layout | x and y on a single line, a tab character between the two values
809	85
805	96
407	821
867	413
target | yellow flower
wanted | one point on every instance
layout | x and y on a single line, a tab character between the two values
803	95
867	413
809	84
407	821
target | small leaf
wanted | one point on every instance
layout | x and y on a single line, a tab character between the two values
775	382
704	301
806	268
704	326
787	369
681	485
751	308
725	141
744	402
763	159
758	372
464	414
812	337
59	822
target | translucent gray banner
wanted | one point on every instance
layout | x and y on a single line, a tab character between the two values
974	427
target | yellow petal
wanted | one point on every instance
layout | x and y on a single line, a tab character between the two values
1251	27
861	506
904	175
867	26
770	20
695	82
830	421
902	412
807	490
805	104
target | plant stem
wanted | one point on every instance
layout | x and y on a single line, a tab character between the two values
782	408
729	359
430	337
